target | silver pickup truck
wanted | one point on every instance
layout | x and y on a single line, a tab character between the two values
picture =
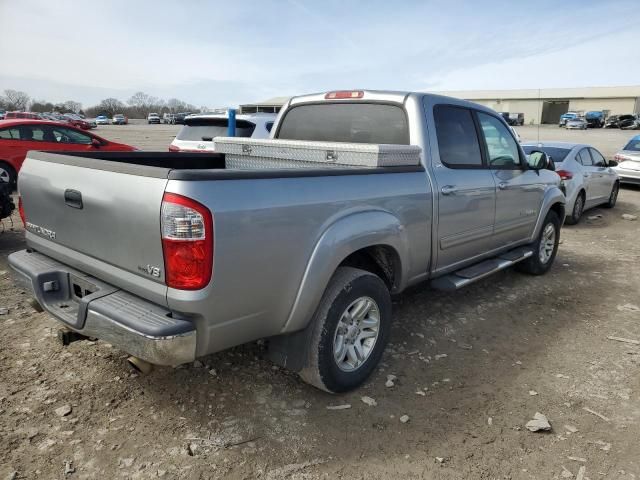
172	256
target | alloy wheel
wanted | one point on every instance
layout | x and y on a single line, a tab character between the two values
547	243
356	334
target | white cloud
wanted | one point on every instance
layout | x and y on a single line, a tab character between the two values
219	54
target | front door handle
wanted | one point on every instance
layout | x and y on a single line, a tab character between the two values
503	185
448	190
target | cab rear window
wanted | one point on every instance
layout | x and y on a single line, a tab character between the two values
346	122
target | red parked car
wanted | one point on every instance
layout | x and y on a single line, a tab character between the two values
76	121
22	115
18	136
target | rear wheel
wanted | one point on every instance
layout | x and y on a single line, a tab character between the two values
578	208
544	248
7	174
350	331
613	196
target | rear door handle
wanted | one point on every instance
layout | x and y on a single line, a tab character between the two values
73	198
448	190
503	185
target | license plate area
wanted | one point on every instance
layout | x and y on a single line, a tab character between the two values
66	295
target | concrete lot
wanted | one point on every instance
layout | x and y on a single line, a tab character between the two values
158	137
473	368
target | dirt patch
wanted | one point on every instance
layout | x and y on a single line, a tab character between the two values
471	367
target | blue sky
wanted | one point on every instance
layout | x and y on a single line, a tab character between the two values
225	53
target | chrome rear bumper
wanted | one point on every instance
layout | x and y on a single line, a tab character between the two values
96	309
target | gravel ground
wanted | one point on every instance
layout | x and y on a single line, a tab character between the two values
472	367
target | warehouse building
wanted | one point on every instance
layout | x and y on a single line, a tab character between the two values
538	106
547	104
273	105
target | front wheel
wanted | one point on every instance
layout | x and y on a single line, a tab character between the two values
350	331
544	248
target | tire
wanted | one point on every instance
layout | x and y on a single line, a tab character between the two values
350	290
613	196
7	174
578	209
536	264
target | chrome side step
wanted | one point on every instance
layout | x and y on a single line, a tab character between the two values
465	276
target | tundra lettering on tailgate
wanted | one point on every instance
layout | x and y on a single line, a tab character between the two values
45	232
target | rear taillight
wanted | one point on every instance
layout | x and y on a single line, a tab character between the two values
187	242
564	174
173	148
343	94
21	211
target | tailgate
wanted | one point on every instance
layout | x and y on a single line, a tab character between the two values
106	212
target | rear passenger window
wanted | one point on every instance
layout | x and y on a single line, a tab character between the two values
457	138
584	158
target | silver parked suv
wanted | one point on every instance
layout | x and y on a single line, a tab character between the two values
199	130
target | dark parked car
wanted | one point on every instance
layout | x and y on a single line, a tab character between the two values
629	122
612	122
595	119
178	118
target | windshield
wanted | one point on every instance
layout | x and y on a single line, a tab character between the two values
346	122
633	145
206	130
557	154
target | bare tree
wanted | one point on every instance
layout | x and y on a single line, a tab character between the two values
71	106
110	106
15	100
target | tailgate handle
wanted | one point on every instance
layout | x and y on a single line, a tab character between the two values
73	198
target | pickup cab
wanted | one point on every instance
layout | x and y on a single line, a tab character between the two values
173	256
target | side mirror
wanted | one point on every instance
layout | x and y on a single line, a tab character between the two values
95	143
612	163
538	160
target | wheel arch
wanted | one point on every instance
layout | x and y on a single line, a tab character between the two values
554	200
374	241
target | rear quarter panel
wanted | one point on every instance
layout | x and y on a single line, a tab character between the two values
266	231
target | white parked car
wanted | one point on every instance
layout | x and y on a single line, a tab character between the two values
153	118
628	162
587	178
199	130
577	124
